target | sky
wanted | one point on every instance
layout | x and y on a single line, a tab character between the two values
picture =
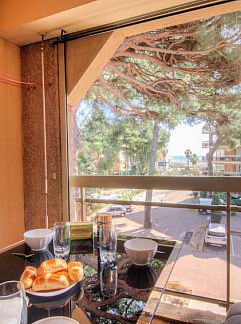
186	137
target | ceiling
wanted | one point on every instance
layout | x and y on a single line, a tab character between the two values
23	24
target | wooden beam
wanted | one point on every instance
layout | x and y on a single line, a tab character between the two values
177	314
91	54
179	19
9	247
219	184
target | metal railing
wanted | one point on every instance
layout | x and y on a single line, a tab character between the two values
214	184
227	158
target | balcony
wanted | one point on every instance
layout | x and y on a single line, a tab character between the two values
227	159
194	271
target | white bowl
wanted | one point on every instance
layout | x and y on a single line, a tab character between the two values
56	320
38	239
140	251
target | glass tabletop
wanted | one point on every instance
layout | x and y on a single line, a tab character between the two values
134	295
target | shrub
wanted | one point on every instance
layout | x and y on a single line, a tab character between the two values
216	199
216	215
195	194
203	194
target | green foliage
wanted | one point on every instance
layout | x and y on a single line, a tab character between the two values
188	154
137	142
127	195
158	265
100	144
194	159
203	194
195	194
89	271
144	82
191	157
155	76
105	135
223	199
216	199
216	215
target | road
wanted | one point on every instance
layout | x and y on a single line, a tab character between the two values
170	223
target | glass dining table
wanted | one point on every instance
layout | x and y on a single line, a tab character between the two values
129	303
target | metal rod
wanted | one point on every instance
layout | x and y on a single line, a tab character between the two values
64	131
194	297
82	204
228	248
44	136
158	204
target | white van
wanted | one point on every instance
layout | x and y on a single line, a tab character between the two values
216	235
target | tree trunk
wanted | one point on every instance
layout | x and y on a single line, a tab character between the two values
74	149
154	146
209	155
188	162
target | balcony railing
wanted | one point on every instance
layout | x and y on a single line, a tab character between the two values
214	184
227	159
226	173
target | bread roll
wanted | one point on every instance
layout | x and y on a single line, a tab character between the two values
60	273
52	266
28	277
75	270
51	281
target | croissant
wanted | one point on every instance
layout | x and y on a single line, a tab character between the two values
51	281
28	276
75	270
51	266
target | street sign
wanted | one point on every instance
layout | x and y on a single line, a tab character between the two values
161	163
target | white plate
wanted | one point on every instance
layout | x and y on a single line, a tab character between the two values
56	320
50	293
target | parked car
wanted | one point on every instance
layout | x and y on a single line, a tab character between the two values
236	200
216	234
218	199
204	201
128	208
116	210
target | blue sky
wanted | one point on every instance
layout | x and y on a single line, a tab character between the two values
186	137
